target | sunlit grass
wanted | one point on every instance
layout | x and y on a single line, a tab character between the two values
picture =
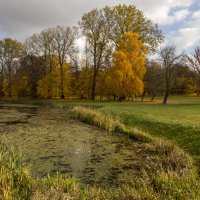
107	122
15	182
180	123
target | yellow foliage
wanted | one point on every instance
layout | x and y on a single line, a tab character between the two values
125	78
19	87
83	83
49	86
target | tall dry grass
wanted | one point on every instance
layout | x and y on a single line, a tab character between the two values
93	117
17	184
107	122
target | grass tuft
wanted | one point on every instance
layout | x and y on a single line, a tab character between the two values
96	118
107	122
15	180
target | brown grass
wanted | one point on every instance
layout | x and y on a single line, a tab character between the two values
107	122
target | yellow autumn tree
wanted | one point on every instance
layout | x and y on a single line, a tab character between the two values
125	78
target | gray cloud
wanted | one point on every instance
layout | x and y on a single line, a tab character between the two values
21	18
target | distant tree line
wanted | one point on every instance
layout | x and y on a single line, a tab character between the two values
112	66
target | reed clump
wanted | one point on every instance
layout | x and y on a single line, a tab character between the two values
107	122
15	181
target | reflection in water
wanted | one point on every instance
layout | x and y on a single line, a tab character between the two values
54	143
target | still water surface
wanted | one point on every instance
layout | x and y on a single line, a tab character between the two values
52	142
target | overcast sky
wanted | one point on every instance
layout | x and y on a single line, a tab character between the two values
179	19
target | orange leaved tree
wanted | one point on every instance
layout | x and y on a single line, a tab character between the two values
125	78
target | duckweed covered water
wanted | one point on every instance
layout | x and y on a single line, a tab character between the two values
52	142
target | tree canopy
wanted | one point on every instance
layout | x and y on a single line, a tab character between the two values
122	18
127	73
111	63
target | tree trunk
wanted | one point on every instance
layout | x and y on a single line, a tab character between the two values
93	94
49	93
166	97
62	96
1	86
143	95
198	92
49	89
9	82
152	98
198	88
94	86
136	97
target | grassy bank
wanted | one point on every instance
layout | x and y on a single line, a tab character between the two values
108	123
17	183
173	161
177	122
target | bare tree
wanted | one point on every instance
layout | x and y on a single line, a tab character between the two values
64	43
55	45
94	28
153	80
43	45
2	67
169	58
194	61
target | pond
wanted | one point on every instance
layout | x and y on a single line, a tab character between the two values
52	142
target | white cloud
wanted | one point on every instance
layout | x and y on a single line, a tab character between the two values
160	11
188	36
167	19
180	15
196	15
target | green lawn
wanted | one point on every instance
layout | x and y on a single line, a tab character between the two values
178	121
